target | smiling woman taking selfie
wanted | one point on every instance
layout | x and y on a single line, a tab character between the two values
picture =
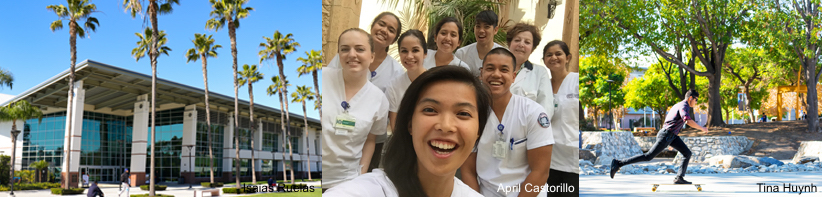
439	122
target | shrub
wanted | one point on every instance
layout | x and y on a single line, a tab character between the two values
4	169
156	195
156	187
207	184
61	191
244	190
30	186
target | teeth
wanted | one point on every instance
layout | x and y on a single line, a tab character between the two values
442	145
495	83
440	152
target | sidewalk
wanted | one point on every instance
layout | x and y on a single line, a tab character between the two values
734	184
111	190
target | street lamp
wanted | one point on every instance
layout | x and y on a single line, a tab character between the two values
610	110
14	134
189	163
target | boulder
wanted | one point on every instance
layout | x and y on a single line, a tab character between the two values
586	154
808	148
768	161
732	161
806	159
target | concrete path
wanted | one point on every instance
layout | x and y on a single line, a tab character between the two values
111	190
735	184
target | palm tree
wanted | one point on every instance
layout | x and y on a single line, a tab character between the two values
304	93
277	88
204	48
154	8
312	63
250	76
6	78
228	13
39	165
277	48
77	11
20	110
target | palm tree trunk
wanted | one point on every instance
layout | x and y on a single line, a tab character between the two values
153	55
285	134
208	122
69	111
317	88
287	116
232	34
253	130
307	151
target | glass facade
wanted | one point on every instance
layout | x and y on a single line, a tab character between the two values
245	167
44	140
201	164
169	139
268	167
295	144
270	141
106	145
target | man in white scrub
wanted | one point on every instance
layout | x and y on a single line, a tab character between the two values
484	32
342	149
514	155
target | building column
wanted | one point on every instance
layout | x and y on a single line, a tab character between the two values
189	138
75	134
228	150
258	146
139	137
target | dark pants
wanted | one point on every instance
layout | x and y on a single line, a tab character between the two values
664	139
557	177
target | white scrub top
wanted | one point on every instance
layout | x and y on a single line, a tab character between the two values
534	82
565	155
396	91
470	56
528	125
385	73
342	153
430	62
377	184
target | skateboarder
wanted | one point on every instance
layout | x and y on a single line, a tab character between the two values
675	120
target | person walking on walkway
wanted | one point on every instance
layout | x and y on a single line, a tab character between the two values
676	119
124	183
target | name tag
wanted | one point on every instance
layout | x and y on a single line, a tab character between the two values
344	122
499	149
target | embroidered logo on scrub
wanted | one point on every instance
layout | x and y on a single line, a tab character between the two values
543	120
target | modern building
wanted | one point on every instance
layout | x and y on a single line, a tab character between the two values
111	131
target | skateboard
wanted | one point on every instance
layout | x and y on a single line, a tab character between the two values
698	186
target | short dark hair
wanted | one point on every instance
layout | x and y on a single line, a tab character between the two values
400	144
370	39
442	22
691	93
414	33
399	23
523	27
501	51
561	44
487	17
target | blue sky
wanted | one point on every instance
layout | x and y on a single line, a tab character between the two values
33	53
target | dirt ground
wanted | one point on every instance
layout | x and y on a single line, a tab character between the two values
779	140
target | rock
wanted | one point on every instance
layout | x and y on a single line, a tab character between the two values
585	163
808	148
670	170
767	161
587	154
731	161
806	159
604	160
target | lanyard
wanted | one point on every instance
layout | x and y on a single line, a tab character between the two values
345	106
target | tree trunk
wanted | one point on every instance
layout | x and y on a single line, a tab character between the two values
307	150
596	117
285	135
285	110
317	88
153	55
208	122
748	103
714	102
232	35
69	111
813	110
253	131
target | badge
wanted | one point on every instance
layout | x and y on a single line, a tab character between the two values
543	120
499	149
373	74
345	122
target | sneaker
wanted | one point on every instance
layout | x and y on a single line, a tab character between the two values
680	180
614	168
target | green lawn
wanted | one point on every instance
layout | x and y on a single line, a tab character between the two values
261	182
317	192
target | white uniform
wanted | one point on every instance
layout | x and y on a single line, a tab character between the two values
534	82
431	62
528	127
565	155
342	153
377	184
385	73
470	56
396	91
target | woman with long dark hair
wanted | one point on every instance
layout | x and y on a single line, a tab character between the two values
565	156
447	36
356	111
412	53
439	121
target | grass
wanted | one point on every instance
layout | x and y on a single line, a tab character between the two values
317	192
263	182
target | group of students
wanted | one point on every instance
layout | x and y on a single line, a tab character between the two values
483	110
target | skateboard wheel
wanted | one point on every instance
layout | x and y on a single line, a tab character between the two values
653	189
